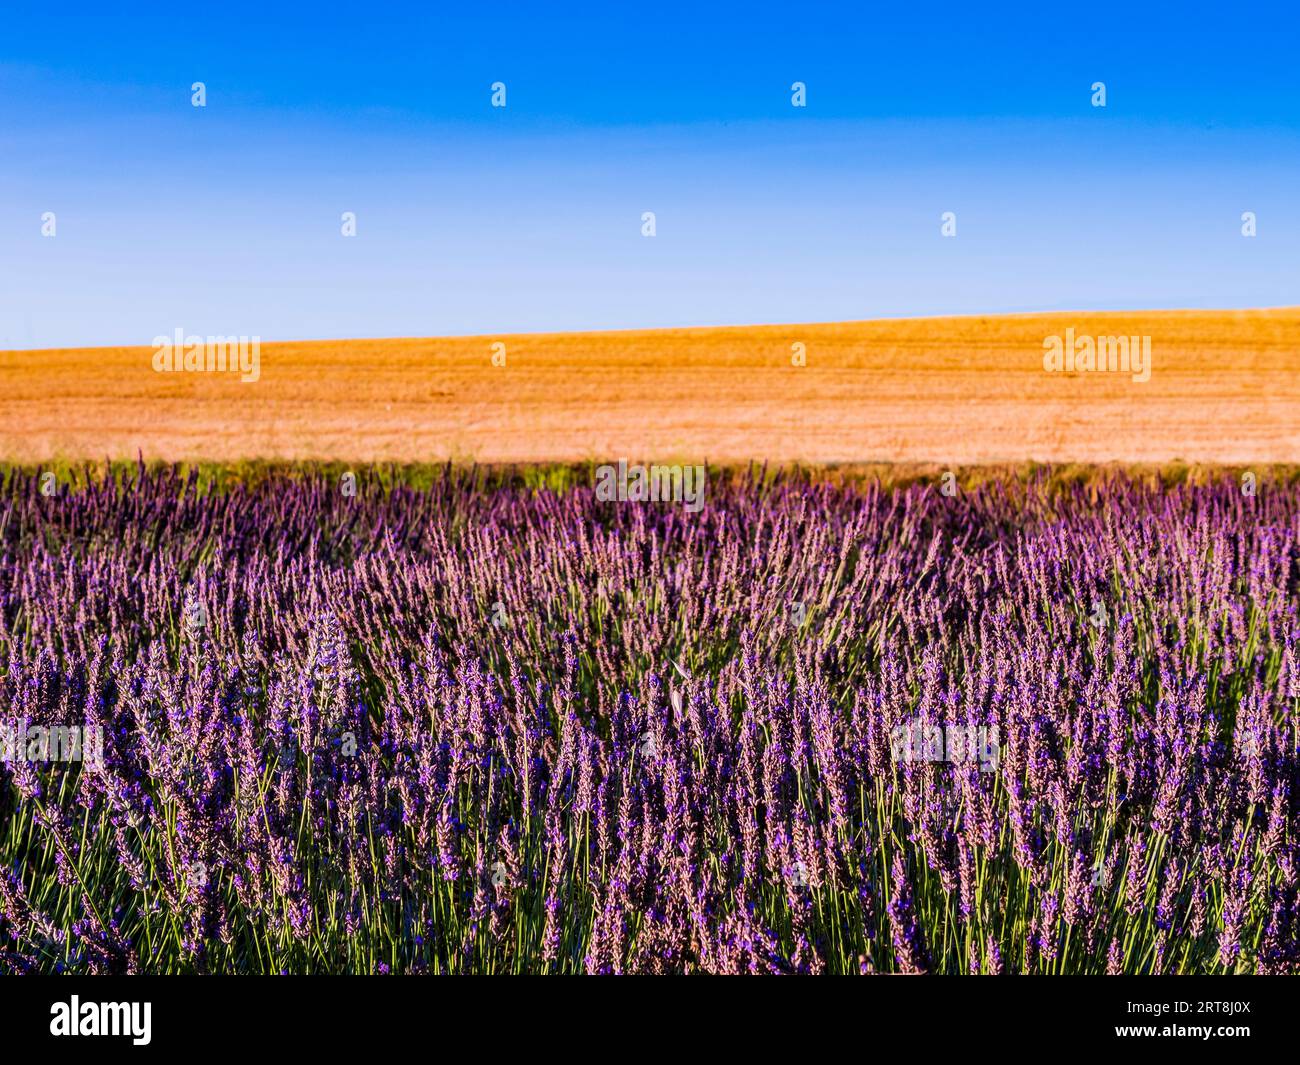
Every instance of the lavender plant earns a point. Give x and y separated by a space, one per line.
487 729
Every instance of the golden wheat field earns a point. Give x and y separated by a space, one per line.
1224 388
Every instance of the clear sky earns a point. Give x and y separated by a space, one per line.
472 219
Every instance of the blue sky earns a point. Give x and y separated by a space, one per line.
473 219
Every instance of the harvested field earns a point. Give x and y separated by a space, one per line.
1224 388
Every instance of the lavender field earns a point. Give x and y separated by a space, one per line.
1031 727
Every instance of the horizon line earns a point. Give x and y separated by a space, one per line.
697 328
